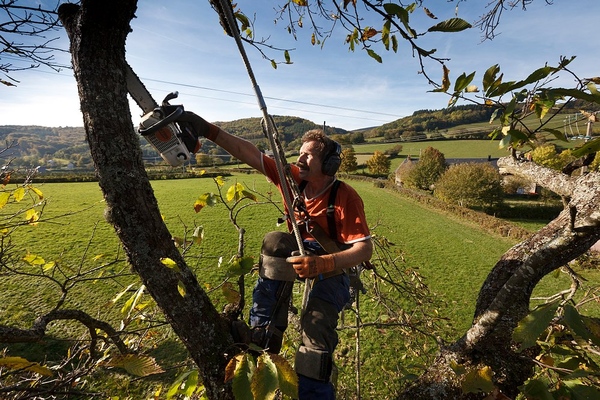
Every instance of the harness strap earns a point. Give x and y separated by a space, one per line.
331 210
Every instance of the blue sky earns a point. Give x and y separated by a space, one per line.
179 45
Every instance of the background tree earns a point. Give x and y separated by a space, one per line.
379 164
471 185
427 170
547 156
349 163
32 22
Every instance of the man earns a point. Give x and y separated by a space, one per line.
315 173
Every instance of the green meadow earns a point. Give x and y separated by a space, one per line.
453 255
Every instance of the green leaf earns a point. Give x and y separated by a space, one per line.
505 142
175 388
385 34
557 134
451 25
401 13
240 369
264 381
532 326
536 389
286 376
241 266
286 55
489 78
206 199
374 55
517 135
578 94
581 391
494 115
243 20
394 44
590 147
249 195
463 81
577 325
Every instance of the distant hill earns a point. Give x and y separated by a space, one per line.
37 145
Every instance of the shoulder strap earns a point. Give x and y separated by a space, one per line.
331 210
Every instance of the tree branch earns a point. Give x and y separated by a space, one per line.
553 180
10 334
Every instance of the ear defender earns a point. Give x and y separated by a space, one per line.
332 160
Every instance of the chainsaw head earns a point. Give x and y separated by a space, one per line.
165 137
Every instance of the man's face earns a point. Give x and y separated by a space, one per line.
309 161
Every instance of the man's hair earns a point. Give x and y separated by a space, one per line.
326 145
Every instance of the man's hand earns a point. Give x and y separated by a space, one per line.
310 266
199 126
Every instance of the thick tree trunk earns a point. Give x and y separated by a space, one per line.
504 297
97 30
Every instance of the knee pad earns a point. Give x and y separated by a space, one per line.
276 247
312 363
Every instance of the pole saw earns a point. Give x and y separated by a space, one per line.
172 139
289 187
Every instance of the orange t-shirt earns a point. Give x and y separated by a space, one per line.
350 220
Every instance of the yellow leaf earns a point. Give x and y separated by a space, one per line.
219 180
478 381
19 363
235 192
181 288
445 78
198 235
32 216
38 192
50 265
33 259
231 295
169 263
4 196
19 193
138 365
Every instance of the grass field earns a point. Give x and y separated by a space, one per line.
453 255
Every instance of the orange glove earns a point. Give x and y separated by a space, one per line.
311 266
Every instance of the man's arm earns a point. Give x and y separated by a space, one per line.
240 148
311 266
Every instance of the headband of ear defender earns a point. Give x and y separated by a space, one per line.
332 160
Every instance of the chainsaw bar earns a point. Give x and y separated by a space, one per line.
138 91
158 125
